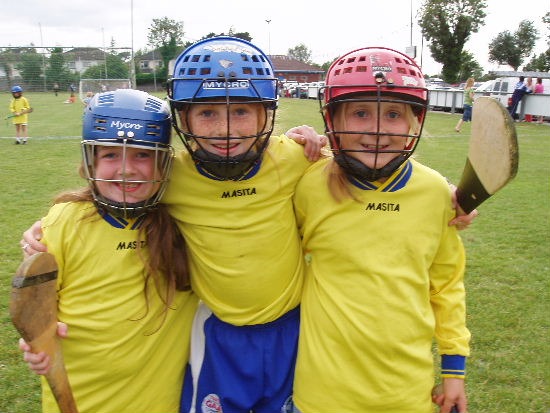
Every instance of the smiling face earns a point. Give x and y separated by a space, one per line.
225 130
373 132
126 174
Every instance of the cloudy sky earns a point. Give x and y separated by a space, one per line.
327 31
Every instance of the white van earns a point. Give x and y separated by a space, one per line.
502 88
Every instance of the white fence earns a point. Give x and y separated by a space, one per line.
453 101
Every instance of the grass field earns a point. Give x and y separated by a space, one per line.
508 249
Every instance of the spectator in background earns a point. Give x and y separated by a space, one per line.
88 98
520 89
468 102
539 88
72 98
529 117
55 88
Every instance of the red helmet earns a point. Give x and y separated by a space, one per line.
365 70
373 74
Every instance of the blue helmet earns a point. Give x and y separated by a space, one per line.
16 89
129 119
220 67
223 70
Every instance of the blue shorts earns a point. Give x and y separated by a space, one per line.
238 369
467 114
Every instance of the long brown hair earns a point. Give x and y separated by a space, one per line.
165 260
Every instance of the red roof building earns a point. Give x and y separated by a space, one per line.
287 68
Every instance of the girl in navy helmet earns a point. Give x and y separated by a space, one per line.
123 287
20 108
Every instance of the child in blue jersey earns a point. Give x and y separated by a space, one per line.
384 270
123 284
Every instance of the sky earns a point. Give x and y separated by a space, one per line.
275 27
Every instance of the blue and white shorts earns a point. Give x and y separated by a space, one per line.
240 368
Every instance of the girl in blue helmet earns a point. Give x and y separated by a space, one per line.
123 287
231 195
20 108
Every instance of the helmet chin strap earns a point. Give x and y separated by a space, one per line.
226 168
361 172
124 210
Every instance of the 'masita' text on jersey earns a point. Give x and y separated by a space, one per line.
239 192
382 206
130 245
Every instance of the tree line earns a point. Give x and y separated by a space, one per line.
446 25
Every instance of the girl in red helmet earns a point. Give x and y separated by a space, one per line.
384 272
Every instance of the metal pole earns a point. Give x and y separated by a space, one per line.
43 58
268 37
132 65
154 71
104 53
411 23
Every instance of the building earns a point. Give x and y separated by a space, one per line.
287 68
150 62
79 59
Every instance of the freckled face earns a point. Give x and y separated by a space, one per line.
124 174
373 145
225 132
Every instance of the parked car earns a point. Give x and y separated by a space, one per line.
314 89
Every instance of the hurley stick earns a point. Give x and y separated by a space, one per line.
29 110
33 310
493 154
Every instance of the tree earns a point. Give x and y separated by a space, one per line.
301 53
469 67
240 35
512 49
7 61
541 63
30 67
56 71
114 66
166 35
447 25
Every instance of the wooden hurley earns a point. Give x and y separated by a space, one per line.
33 310
493 154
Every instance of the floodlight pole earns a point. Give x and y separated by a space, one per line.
132 65
104 52
43 57
268 37
411 23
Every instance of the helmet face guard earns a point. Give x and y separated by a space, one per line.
127 119
223 71
376 76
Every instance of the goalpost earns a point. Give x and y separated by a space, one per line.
89 87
